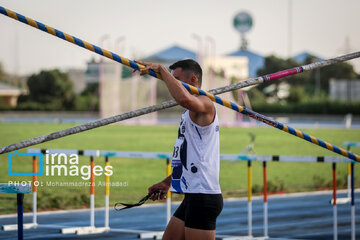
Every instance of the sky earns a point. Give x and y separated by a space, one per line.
326 28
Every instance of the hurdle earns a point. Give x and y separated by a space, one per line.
352 186
264 160
11 227
91 229
166 156
20 190
335 233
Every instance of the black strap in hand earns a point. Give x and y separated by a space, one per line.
141 202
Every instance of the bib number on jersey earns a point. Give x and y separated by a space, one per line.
176 161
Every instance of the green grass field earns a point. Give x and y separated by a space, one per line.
138 174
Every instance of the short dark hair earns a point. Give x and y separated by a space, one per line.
190 66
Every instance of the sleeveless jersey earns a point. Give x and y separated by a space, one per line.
196 158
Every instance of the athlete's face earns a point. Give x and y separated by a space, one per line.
179 74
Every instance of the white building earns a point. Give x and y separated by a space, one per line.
345 89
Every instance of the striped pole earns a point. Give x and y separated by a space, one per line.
168 194
334 202
92 192
74 40
249 200
34 193
193 90
272 122
265 201
107 194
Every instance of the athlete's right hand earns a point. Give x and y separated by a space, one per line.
159 190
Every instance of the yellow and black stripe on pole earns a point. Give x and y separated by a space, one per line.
75 40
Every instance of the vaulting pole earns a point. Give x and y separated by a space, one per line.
191 89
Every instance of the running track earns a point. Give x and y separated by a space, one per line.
297 216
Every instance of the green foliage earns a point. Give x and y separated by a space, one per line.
86 103
91 89
88 99
302 86
2 73
49 200
256 95
297 94
48 90
140 173
274 64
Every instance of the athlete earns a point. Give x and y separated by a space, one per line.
196 157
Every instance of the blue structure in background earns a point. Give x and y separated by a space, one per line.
256 61
300 58
172 54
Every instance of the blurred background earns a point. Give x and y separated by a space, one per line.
47 85
44 79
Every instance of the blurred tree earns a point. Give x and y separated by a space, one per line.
341 70
305 85
52 89
275 64
2 74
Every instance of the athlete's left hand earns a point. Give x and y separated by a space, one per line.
149 65
159 191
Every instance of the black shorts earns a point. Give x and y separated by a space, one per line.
199 210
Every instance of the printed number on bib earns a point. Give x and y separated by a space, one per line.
176 161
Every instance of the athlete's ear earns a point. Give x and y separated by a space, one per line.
194 80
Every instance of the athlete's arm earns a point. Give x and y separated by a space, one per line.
201 108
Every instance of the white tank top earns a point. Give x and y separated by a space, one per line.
196 158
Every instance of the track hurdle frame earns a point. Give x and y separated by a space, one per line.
167 156
264 160
151 155
34 224
351 183
20 190
92 229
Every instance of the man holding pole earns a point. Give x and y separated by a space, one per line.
196 156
